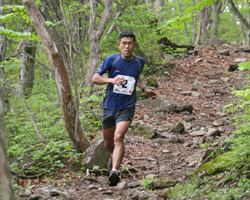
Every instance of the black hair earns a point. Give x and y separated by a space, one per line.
127 34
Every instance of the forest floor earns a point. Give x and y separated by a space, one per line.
147 156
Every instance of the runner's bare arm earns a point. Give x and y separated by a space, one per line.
100 80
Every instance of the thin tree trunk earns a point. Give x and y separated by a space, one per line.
59 40
158 10
185 25
199 34
217 9
3 47
72 65
95 36
203 24
238 15
5 175
27 71
40 136
194 23
159 7
78 140
248 19
112 27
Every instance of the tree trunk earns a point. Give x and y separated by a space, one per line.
158 10
237 14
5 175
40 136
185 26
159 6
203 24
3 46
112 27
248 19
27 71
54 8
78 139
95 36
194 24
217 9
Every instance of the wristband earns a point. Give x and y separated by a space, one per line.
143 89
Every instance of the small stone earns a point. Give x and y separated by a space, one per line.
218 123
54 193
122 185
214 82
151 176
224 52
196 94
240 60
198 133
221 114
135 196
36 197
134 184
186 93
166 151
24 193
92 187
213 132
209 139
187 144
198 140
108 192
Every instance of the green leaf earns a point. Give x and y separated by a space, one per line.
67 146
96 167
200 5
244 66
7 17
50 23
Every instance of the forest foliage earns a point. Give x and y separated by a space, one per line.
175 20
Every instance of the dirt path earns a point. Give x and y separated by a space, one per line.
159 157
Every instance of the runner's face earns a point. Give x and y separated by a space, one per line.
127 46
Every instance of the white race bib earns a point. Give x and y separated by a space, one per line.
127 87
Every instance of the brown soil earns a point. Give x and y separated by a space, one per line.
212 66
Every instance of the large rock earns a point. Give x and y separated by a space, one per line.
165 182
177 128
141 129
166 107
224 52
186 107
198 156
96 155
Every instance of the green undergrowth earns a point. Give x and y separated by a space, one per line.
27 155
225 177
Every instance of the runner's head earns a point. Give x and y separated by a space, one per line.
127 33
127 44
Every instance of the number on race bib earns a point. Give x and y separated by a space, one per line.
127 87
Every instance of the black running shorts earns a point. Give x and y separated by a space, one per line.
112 117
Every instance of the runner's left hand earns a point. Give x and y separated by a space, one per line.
151 93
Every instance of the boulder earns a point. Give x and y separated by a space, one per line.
141 129
96 154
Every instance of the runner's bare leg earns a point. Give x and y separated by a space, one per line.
108 135
119 147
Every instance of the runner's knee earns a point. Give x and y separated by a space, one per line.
118 138
109 144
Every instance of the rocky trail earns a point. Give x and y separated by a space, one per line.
187 114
